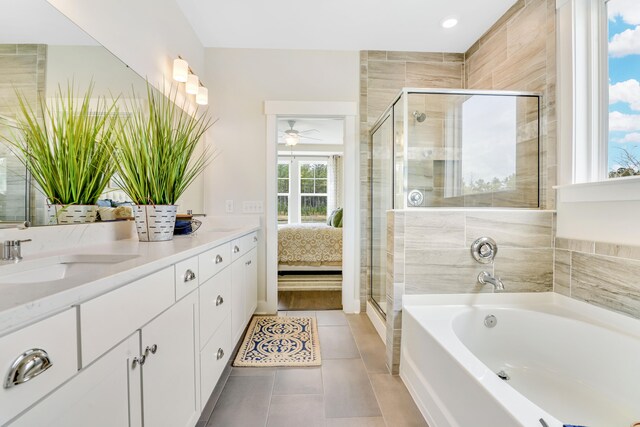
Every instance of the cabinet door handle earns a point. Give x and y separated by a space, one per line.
236 249
27 366
220 354
255 239
219 300
151 349
138 361
189 275
218 259
248 262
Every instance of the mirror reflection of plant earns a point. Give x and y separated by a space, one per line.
157 142
69 152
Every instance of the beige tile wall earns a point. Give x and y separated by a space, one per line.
603 274
382 75
519 53
22 68
429 253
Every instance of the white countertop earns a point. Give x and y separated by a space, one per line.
25 303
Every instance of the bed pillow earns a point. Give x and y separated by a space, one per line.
336 220
331 215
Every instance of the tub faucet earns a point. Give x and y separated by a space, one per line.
486 278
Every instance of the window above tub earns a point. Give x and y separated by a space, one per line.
598 106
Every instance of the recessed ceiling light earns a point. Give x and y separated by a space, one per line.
449 23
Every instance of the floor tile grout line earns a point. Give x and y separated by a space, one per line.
384 419
368 376
273 386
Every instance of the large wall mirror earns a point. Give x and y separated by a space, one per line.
40 51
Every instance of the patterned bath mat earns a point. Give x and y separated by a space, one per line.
280 341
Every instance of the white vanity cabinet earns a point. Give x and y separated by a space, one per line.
35 360
105 394
147 354
244 292
169 371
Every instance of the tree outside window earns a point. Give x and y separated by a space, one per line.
313 191
283 193
624 87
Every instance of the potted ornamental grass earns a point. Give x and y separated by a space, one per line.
157 158
68 150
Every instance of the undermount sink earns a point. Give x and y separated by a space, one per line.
222 229
59 267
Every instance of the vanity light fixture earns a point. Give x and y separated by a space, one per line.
193 83
202 97
449 22
193 86
180 70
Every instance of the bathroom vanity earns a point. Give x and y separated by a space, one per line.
126 333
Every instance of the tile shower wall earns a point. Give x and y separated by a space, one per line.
519 53
22 68
382 75
602 274
428 252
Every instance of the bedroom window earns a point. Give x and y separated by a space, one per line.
283 192
313 191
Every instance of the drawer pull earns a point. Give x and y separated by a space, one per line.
255 239
248 262
218 259
27 366
220 354
138 361
219 300
189 275
236 249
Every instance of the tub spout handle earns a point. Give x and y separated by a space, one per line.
486 278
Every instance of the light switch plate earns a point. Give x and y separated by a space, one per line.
228 206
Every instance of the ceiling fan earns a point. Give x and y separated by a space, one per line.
292 136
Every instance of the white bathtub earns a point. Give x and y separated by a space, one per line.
568 362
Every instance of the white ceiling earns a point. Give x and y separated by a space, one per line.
36 21
409 25
325 131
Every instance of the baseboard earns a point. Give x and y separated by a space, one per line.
378 322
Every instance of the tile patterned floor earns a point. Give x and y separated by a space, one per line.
351 389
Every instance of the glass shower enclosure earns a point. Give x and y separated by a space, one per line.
450 148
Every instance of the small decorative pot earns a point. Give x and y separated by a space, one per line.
155 223
71 214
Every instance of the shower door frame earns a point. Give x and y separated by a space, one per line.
403 96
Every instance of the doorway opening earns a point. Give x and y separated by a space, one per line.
312 206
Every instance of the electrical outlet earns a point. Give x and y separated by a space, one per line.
228 206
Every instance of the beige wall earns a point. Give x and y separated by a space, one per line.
428 252
239 82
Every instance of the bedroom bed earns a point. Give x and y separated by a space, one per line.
309 247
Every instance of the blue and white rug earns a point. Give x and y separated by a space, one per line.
280 341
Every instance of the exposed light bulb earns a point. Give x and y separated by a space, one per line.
193 82
449 23
202 97
180 70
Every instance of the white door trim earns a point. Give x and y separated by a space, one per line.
351 221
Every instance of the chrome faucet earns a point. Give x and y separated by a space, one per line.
486 278
12 250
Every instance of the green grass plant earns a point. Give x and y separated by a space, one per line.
70 151
157 156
